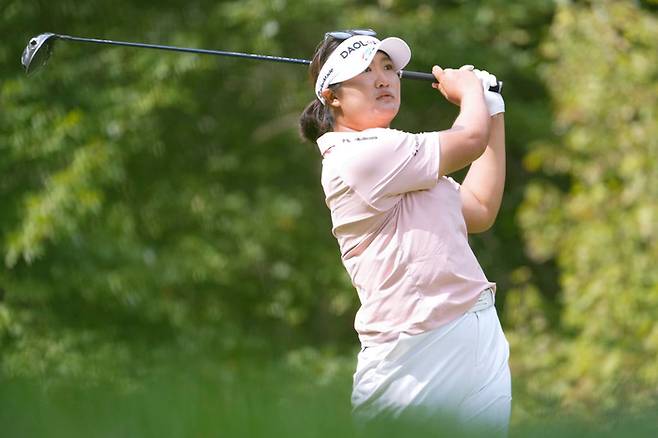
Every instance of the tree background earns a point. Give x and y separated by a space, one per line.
159 209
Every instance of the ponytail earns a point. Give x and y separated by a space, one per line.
317 119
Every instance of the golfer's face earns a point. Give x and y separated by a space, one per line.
372 98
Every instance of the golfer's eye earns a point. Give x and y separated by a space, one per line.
388 66
368 69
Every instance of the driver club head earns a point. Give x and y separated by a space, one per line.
37 52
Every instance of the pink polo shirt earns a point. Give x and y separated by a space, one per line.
401 231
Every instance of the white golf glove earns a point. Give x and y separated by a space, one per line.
495 102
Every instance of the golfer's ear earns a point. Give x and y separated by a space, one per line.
331 98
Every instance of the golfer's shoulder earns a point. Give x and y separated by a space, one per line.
365 151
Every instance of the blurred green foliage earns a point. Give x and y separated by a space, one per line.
595 212
160 207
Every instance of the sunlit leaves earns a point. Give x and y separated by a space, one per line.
601 227
69 196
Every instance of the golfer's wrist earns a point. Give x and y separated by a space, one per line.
471 96
473 100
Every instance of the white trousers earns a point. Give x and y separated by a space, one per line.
459 370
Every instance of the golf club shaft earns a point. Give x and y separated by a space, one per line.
403 74
185 49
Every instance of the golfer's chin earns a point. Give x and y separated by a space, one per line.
385 113
379 115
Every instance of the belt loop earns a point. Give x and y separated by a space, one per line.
484 301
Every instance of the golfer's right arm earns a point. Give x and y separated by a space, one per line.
467 139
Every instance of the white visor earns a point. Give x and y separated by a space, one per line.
354 55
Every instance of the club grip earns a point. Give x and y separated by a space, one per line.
498 88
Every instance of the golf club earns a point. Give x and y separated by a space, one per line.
40 48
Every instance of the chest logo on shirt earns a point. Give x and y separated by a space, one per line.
347 140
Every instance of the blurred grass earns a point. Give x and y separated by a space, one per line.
254 399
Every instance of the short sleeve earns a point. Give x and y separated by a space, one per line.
380 165
454 183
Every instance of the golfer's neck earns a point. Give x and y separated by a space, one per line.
343 125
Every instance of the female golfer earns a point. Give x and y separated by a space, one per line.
430 336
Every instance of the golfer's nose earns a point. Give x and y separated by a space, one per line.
381 81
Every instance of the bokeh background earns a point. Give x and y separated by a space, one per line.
162 225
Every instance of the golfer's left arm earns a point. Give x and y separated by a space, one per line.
482 189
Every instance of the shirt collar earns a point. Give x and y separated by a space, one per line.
326 141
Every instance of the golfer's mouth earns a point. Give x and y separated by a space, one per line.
385 96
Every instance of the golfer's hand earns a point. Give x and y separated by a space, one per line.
455 84
494 101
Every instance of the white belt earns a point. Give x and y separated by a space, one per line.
485 300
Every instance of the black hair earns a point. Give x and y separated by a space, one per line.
316 119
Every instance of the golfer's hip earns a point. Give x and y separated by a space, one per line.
438 369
